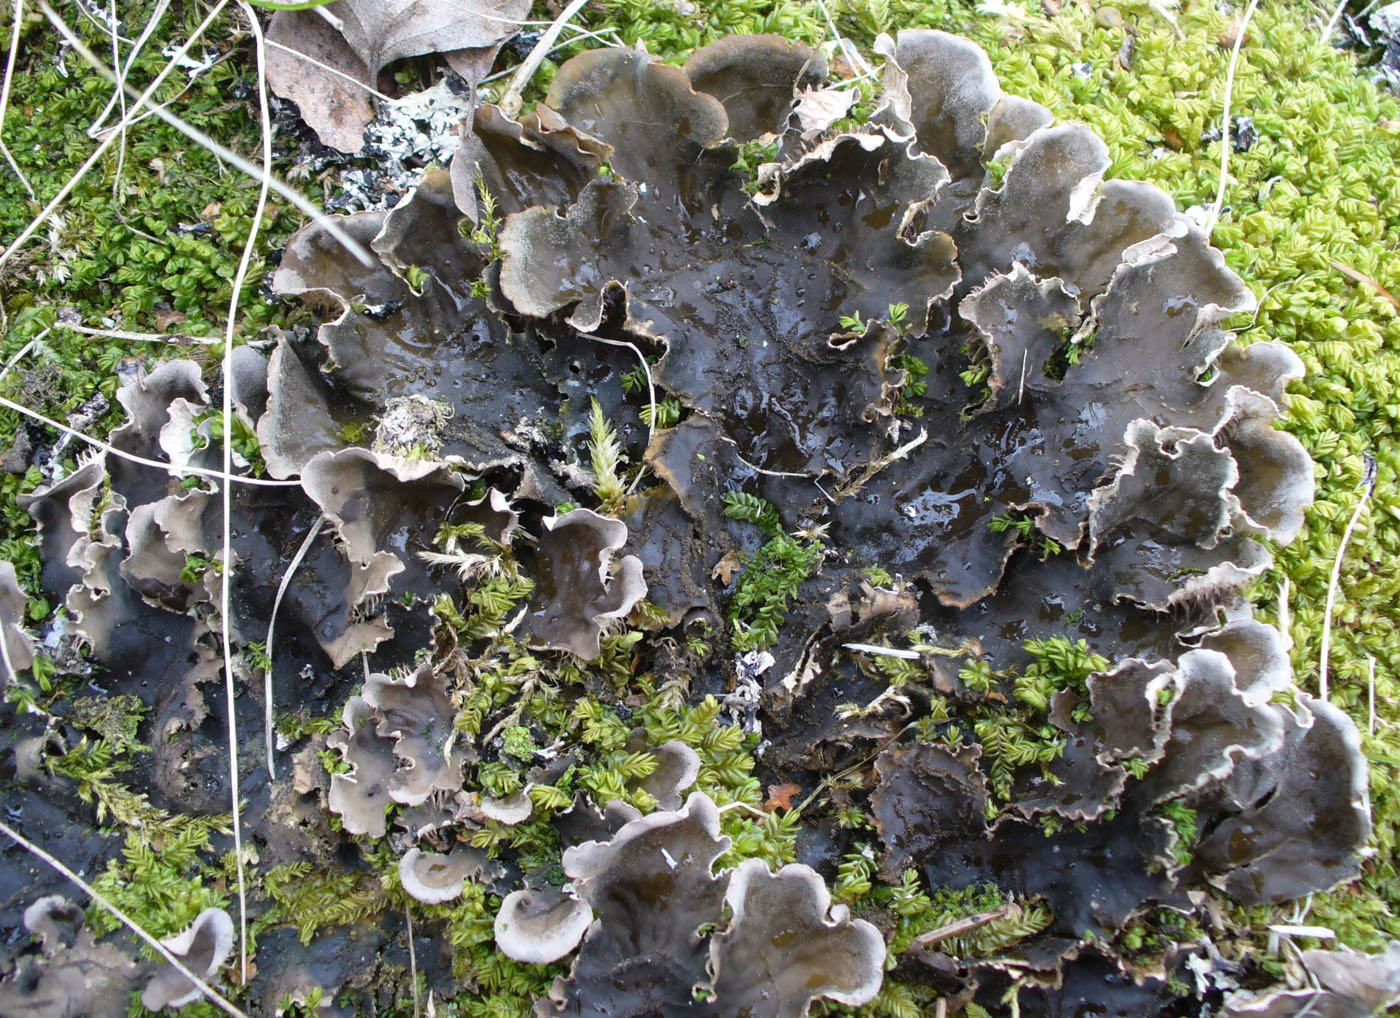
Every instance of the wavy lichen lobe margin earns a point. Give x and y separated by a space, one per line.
945 342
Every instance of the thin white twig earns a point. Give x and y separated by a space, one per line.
1312 932
878 651
226 574
412 959
22 351
325 14
1225 126
10 674
848 48
18 15
781 473
199 138
1312 978
967 924
651 396
120 93
607 36
473 10
107 142
87 12
856 483
126 920
1335 579
292 567
166 103
139 337
170 468
1336 17
157 13
510 102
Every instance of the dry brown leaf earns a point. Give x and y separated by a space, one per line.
819 108
337 106
726 567
166 317
1227 38
331 68
472 64
842 68
780 796
382 31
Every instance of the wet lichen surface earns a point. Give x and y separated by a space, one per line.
725 566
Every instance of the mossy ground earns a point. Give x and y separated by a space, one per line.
1312 224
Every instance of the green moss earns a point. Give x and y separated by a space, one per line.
771 576
162 882
310 897
1184 828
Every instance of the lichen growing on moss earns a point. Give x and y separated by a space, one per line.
1315 192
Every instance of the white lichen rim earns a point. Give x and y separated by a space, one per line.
540 937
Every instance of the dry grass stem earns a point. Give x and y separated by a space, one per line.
212 994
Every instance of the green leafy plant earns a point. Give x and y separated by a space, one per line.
196 566
1023 523
488 221
606 458
770 578
752 509
663 414
310 897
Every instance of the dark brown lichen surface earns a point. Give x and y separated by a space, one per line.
996 387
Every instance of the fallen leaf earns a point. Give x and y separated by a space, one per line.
819 108
726 567
382 31
472 64
335 97
327 62
843 68
780 797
